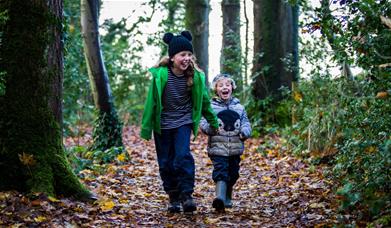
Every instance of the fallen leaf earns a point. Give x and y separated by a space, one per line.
317 205
382 95
107 205
27 159
121 157
40 219
52 199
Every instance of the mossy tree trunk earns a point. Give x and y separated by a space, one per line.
197 21
108 129
231 53
31 150
275 47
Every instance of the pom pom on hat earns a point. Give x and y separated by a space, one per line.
168 37
178 43
187 34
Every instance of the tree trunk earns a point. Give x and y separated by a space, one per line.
32 155
107 132
275 47
197 21
231 53
245 59
56 60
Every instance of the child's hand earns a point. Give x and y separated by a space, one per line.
242 137
214 131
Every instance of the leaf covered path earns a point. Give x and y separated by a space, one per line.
274 190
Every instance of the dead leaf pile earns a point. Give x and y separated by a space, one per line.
274 190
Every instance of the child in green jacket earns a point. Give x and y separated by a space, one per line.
176 101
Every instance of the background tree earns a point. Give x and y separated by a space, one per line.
174 22
78 103
246 42
197 21
31 148
231 53
275 47
108 130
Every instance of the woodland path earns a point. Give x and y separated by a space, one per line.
274 190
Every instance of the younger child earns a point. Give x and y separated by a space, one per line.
225 148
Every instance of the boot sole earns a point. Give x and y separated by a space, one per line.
228 204
174 210
218 204
189 209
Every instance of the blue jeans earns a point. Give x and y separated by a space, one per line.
176 163
225 168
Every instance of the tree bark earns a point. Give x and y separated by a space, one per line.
108 130
275 47
245 62
56 60
31 151
231 53
197 22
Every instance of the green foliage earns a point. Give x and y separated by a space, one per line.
78 163
315 116
2 83
122 52
267 115
81 158
78 102
128 79
3 19
346 121
174 22
232 60
107 131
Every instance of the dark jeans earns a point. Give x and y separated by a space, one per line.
225 168
176 163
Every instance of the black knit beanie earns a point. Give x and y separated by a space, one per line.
178 43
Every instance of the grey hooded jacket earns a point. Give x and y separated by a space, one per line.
233 121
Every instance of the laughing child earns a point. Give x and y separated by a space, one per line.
225 148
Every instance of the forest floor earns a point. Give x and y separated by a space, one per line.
274 190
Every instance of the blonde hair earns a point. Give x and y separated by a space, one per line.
222 76
189 72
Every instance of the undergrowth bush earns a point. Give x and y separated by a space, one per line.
345 121
82 158
347 124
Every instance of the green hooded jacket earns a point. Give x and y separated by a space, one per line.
153 105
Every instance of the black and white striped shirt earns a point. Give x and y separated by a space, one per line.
177 105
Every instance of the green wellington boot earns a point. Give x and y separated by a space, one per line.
221 191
